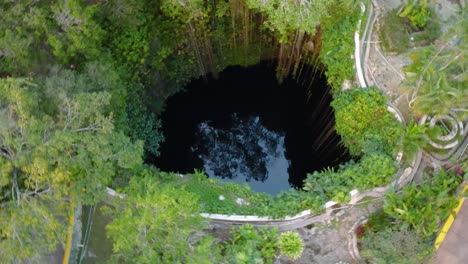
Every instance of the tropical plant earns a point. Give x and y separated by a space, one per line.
249 245
414 140
143 124
425 206
291 245
371 171
286 203
417 12
75 32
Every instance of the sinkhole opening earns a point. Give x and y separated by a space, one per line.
243 126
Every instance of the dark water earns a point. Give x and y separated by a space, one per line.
245 127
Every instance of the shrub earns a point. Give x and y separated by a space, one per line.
338 45
286 203
249 245
417 13
413 140
291 245
371 171
394 246
364 123
144 125
426 206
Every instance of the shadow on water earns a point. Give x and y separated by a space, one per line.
245 127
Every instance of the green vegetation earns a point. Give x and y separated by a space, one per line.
82 84
160 223
436 80
370 172
364 123
393 245
338 45
404 232
425 206
64 147
209 190
399 35
417 12
291 245
413 140
153 224
251 246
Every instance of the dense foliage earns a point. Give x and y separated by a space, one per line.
85 115
394 245
338 45
414 139
153 224
398 34
425 206
416 12
404 232
286 203
167 231
370 172
66 146
251 246
364 123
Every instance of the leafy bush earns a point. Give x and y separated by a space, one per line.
426 206
291 245
143 124
417 12
371 171
364 123
286 203
249 245
153 223
394 246
413 139
338 45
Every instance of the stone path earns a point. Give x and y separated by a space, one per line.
454 248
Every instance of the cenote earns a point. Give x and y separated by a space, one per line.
243 126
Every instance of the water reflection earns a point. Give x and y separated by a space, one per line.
245 151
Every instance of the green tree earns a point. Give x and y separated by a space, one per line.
154 224
22 25
143 124
394 245
75 33
46 160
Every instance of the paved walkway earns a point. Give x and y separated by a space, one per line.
454 248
